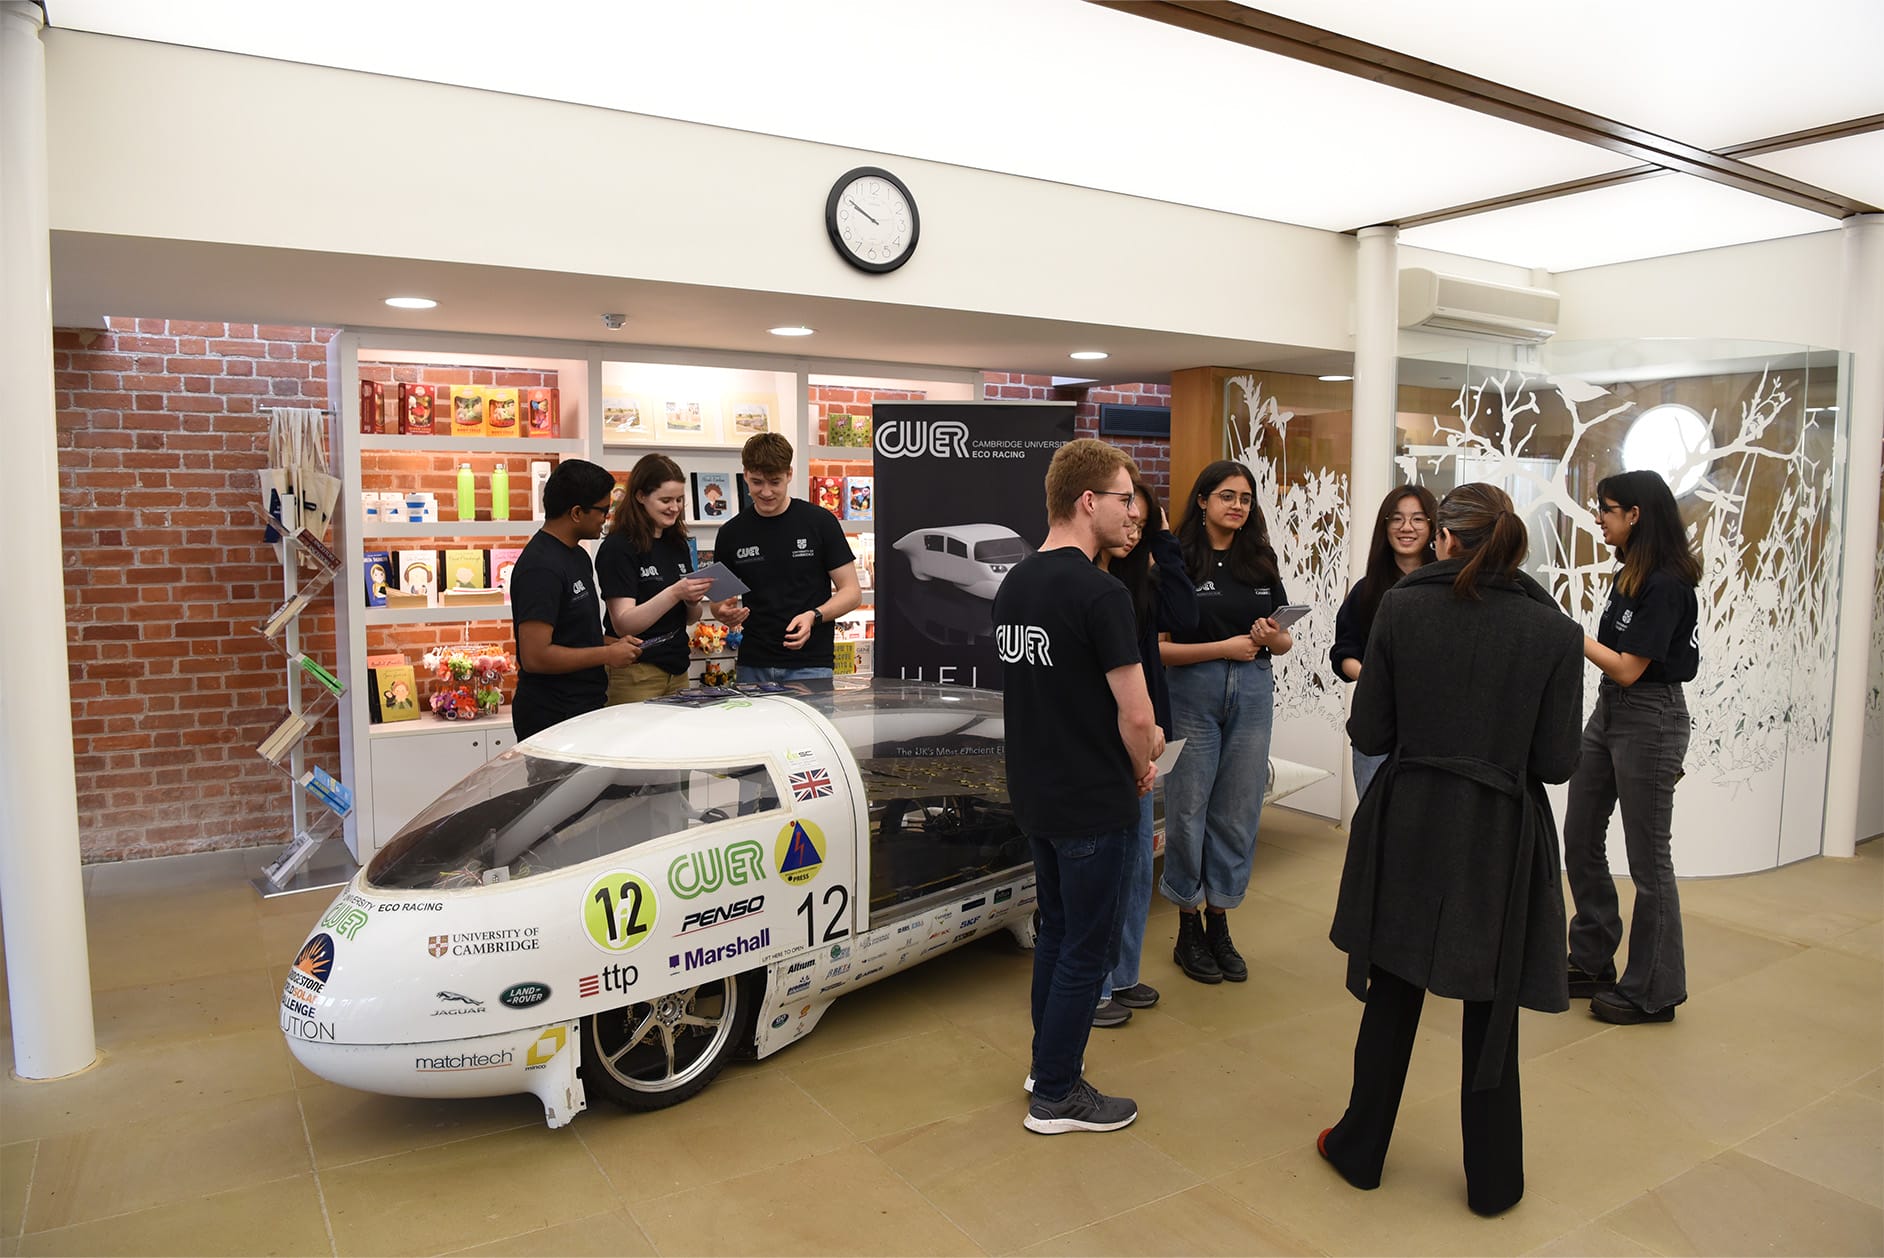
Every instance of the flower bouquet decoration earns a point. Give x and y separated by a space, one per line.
473 682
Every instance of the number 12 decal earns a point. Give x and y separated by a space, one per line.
835 930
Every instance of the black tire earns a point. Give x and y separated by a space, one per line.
653 1054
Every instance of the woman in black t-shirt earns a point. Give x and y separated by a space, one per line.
1646 645
1222 705
642 568
1403 541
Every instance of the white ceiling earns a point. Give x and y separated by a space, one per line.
1854 164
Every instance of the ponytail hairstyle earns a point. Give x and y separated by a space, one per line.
1486 531
1252 558
651 471
1383 570
1659 541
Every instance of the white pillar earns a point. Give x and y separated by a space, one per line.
1376 386
41 892
1863 336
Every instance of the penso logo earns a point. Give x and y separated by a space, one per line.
1023 644
913 438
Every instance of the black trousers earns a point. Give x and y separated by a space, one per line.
1490 1120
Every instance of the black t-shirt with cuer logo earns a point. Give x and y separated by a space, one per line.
1060 626
1661 624
641 575
1226 606
787 559
555 584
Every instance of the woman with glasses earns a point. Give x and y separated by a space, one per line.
1151 567
647 592
1403 541
1474 685
1647 645
1222 705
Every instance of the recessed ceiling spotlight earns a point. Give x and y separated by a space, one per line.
1334 379
798 330
1088 355
411 303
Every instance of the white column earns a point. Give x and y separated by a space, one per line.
1376 387
1863 336
41 892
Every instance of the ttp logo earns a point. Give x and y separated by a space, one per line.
912 438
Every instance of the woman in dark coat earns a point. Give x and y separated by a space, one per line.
1474 689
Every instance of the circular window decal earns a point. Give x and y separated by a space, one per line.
1672 440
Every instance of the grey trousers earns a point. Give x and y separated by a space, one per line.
1632 752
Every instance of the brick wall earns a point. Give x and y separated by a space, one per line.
1152 455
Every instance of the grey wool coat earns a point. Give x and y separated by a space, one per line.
1451 879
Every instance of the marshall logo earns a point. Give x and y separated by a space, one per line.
1020 644
912 438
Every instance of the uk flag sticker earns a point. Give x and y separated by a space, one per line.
810 784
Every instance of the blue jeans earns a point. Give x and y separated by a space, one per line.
757 674
1213 798
1365 767
1078 883
1128 940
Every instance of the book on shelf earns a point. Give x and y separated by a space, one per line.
323 786
377 568
713 496
394 694
503 559
465 569
860 498
416 572
282 738
313 668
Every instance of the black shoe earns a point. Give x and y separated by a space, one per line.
1192 953
1229 960
1084 1109
1111 1013
1611 1007
1584 985
1137 996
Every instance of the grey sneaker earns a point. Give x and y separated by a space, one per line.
1084 1109
1111 1013
1137 996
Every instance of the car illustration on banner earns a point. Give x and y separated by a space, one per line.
974 557
628 900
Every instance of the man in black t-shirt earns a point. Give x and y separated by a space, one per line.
798 565
1080 741
555 612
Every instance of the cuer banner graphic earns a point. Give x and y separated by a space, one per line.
961 499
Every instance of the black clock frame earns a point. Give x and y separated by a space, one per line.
837 240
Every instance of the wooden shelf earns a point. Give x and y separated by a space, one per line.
456 528
436 615
467 445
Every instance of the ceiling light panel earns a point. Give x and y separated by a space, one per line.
1648 219
1853 165
1706 72
1204 122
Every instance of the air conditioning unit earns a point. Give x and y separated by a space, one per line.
1452 303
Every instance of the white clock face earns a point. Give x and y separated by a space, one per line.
875 221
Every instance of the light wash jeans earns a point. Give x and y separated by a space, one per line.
1128 942
759 675
1365 767
1213 798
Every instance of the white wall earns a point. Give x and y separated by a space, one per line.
294 156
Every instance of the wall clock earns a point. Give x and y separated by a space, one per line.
872 219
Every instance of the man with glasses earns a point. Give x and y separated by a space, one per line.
563 657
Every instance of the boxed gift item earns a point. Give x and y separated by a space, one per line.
540 412
416 403
859 497
837 430
500 412
372 407
828 492
467 410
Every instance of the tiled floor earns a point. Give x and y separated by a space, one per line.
1753 1124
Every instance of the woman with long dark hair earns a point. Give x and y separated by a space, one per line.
1151 567
1646 646
1223 705
1403 541
1473 690
642 569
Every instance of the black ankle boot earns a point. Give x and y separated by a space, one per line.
1192 953
1229 960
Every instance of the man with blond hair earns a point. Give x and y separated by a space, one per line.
1080 742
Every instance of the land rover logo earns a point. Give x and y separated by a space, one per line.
523 995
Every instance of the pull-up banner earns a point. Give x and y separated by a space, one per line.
960 499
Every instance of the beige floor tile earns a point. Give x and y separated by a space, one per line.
169 875
847 1202
1872 1085
1207 1109
345 1126
1735 1204
1839 1143
189 1009
1812 902
1719 952
172 1157
1593 1240
1419 1207
1007 1187
16 1180
1271 995
964 985
927 1077
874 1016
600 1235
1200 1220
433 1200
1150 1034
710 1137
280 1217
1866 942
181 948
1318 1049
140 1083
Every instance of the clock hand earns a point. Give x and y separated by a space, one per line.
860 209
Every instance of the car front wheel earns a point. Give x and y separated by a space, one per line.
657 1053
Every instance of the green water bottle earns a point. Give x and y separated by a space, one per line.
500 492
467 493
